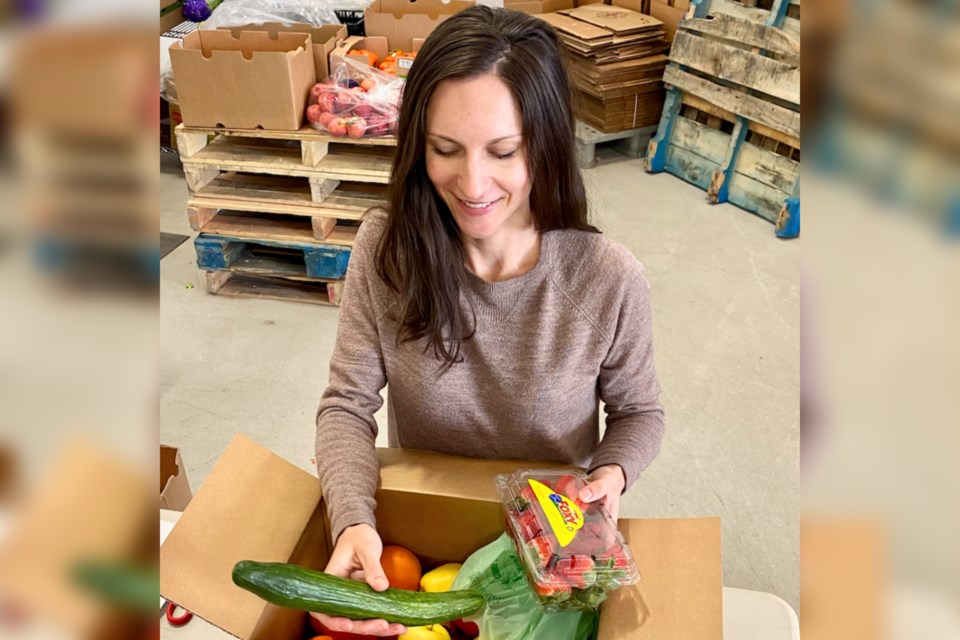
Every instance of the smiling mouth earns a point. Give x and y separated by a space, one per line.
477 205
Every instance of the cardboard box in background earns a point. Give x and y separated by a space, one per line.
90 505
671 15
401 21
171 14
243 80
255 505
377 45
325 39
175 491
534 7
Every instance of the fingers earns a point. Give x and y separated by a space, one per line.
369 556
364 627
597 489
341 562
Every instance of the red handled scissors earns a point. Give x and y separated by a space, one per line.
177 620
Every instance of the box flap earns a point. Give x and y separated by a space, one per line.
438 474
91 505
680 593
254 505
421 7
615 19
577 28
174 486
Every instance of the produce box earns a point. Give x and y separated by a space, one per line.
533 7
380 46
174 486
243 80
402 21
90 504
573 554
257 506
325 39
171 14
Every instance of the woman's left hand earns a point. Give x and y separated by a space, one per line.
605 484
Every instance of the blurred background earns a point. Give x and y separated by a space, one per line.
79 262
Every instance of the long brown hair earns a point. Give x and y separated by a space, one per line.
420 255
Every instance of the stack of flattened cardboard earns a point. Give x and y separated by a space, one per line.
616 61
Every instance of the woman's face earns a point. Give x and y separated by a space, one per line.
476 158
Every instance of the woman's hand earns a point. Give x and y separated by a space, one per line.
605 485
357 556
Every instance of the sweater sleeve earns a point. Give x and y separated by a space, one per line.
628 385
346 428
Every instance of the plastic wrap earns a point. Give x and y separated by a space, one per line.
356 101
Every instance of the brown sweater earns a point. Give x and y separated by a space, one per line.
549 345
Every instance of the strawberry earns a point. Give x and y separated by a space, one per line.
552 592
529 525
569 486
579 571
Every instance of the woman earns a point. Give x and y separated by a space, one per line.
496 312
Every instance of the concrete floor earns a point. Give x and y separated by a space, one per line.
726 315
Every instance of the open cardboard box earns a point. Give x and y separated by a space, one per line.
89 505
174 486
401 21
378 45
325 39
254 505
243 79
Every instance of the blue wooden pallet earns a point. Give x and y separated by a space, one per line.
219 252
731 122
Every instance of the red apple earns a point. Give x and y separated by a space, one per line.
364 111
337 127
325 118
326 101
344 102
356 127
313 113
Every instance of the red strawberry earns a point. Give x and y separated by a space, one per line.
579 571
553 592
569 485
529 525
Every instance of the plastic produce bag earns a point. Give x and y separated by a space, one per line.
513 611
357 101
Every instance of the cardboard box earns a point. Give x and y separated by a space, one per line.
254 505
377 45
171 14
671 16
174 486
325 39
8 474
534 7
243 80
89 505
401 21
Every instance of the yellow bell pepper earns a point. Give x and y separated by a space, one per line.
432 632
440 579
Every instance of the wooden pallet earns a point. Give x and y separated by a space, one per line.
783 14
322 160
284 196
632 142
299 257
238 283
731 123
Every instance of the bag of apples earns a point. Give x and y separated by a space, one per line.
358 101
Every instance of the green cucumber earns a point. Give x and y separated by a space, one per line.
287 585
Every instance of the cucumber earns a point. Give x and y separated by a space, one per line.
294 587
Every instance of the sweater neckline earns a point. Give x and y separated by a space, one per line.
497 298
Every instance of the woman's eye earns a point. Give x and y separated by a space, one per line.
442 153
506 156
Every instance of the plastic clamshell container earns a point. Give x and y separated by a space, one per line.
572 551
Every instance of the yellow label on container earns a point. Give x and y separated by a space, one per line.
563 514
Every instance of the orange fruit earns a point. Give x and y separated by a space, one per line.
402 568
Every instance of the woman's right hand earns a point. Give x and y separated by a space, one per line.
357 556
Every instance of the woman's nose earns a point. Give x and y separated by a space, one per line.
473 179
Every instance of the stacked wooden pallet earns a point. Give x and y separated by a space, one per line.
731 124
616 62
278 211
